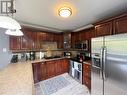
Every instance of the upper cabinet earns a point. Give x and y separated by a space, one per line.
103 29
120 25
14 42
67 40
59 39
81 36
28 40
33 40
74 39
112 26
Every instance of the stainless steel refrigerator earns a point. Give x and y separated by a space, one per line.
109 65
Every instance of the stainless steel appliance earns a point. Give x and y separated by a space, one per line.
14 58
109 65
32 55
82 45
76 70
67 54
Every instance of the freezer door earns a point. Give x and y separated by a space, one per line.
96 45
115 82
96 76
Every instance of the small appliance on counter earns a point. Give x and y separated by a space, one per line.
32 55
14 58
41 55
86 55
83 56
67 54
24 57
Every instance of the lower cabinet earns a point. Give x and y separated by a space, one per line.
48 69
87 75
37 71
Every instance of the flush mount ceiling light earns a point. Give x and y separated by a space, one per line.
14 32
9 23
65 12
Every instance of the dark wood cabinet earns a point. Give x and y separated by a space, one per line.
48 69
28 40
59 39
43 71
74 39
37 74
56 67
14 42
104 29
65 65
33 40
120 25
87 75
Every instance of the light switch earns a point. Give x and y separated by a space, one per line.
4 50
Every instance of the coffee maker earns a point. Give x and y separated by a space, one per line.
32 55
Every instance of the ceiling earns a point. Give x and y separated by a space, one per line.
43 13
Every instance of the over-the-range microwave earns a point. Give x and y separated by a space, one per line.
82 45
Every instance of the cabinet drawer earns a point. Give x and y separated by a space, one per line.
87 82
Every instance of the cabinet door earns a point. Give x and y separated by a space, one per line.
25 40
103 29
60 41
87 75
15 42
58 67
87 70
87 82
36 72
120 25
50 69
43 71
74 39
65 65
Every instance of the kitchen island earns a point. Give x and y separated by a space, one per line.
17 79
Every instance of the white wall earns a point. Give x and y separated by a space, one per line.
5 54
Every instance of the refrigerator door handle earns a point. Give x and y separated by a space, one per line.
101 62
104 63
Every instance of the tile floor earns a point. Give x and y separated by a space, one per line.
61 85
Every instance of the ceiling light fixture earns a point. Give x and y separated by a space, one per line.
12 25
9 23
14 32
65 12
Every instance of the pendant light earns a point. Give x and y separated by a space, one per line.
14 32
12 26
9 23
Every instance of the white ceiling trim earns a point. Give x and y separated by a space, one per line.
40 27
83 28
53 29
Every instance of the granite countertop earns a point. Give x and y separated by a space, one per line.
42 60
17 79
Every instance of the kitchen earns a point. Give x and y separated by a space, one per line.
56 48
